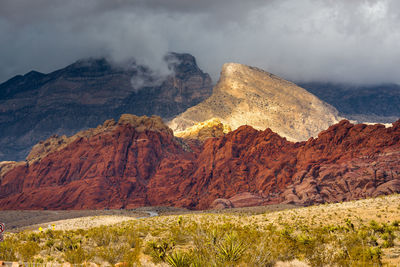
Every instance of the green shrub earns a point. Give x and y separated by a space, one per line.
7 250
261 255
102 236
159 250
131 256
114 252
28 250
49 243
388 238
76 256
34 237
68 242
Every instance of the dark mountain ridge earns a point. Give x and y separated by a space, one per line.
375 103
35 106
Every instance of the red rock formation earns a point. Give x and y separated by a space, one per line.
138 162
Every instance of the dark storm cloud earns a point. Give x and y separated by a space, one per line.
350 41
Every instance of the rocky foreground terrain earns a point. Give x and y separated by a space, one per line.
249 96
86 93
137 161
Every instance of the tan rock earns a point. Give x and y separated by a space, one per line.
221 203
206 129
249 96
153 123
122 264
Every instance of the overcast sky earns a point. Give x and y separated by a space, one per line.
302 40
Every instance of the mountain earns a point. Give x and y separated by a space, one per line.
368 103
247 95
82 95
137 161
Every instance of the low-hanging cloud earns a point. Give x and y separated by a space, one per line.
302 40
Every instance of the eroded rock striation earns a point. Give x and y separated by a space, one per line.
249 96
137 161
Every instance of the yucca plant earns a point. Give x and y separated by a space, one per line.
178 259
230 249
159 250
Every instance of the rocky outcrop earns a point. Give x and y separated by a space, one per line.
221 203
245 199
36 106
249 96
110 169
206 129
138 162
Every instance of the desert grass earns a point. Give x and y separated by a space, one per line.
356 233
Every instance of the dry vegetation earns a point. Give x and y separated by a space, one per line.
358 233
17 220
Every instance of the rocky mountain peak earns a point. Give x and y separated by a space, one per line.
248 95
139 123
35 106
89 67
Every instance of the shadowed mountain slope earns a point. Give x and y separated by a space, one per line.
86 93
364 103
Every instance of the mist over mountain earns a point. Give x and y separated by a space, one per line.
303 40
35 106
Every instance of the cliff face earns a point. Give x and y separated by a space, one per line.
138 162
345 162
249 96
35 106
97 170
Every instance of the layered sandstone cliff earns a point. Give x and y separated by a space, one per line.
137 161
249 96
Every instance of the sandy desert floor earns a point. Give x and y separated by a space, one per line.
18 220
385 209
